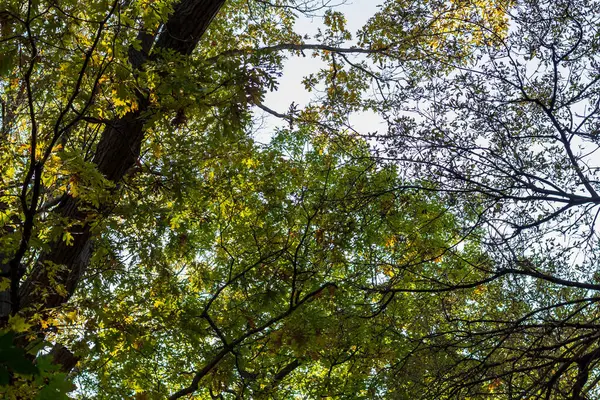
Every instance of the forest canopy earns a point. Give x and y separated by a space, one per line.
151 247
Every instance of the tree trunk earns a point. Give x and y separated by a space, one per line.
117 151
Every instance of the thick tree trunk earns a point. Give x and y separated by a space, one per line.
117 151
188 23
5 303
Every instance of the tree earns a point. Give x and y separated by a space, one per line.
160 252
509 138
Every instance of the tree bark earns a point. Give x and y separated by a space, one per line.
117 151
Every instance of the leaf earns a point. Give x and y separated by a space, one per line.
67 237
13 358
18 324
21 364
57 388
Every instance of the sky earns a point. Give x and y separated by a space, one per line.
290 88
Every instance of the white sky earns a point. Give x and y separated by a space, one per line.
290 89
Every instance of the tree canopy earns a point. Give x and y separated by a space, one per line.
151 248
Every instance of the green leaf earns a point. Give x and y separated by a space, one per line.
56 389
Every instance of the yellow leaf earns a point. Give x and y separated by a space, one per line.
61 290
67 238
390 242
71 316
18 324
4 284
387 269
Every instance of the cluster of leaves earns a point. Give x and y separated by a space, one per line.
510 134
144 230
261 259
209 251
